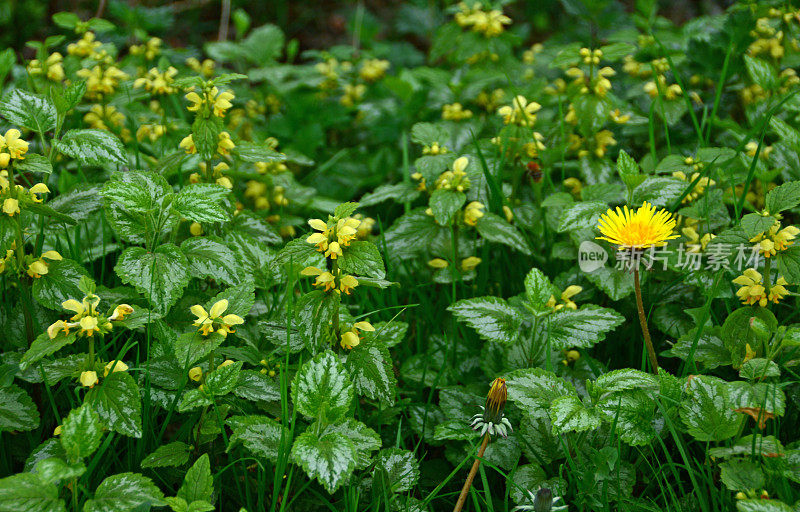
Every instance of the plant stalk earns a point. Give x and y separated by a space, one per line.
468 483
651 353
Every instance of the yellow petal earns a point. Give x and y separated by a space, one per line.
218 308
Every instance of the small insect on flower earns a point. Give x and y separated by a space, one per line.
638 229
492 418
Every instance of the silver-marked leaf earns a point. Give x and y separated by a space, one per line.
491 317
322 388
93 147
329 458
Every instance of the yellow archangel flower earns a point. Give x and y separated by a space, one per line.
566 296
114 366
351 338
520 112
638 229
213 320
14 145
89 379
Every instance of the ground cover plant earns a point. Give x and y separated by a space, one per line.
441 268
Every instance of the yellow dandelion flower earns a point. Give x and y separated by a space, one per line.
641 229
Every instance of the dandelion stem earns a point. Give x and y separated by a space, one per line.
468 483
651 353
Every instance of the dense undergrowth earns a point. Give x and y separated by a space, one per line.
248 277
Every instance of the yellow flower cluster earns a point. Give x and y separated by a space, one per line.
455 112
86 319
214 320
373 70
39 267
473 212
694 242
101 80
700 186
331 238
224 144
215 101
261 195
489 23
520 112
599 83
205 68
102 117
12 146
151 49
599 146
434 149
85 46
455 179
490 101
350 338
53 67
670 92
158 82
352 94
775 239
752 289
566 298
151 132
590 57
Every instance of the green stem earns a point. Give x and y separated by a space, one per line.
651 353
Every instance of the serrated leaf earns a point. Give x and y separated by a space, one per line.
623 380
55 470
568 414
224 379
33 162
783 197
707 409
251 152
44 346
192 346
199 202
240 299
491 317
364 439
81 433
614 282
116 400
631 413
93 147
398 469
198 484
59 284
537 288
445 203
205 135
168 455
213 259
322 388
160 275
329 458
17 410
259 434
345 210
761 72
535 388
583 215
741 475
124 492
581 328
362 258
495 229
27 491
257 387
28 110
370 367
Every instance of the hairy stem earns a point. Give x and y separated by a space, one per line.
651 353
468 483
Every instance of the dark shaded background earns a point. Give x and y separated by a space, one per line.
314 23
